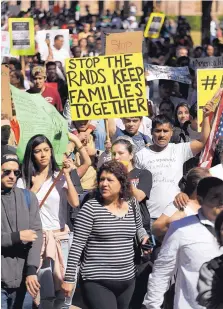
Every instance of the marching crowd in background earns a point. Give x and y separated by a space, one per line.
133 221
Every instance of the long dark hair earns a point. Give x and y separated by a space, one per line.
177 123
129 147
29 166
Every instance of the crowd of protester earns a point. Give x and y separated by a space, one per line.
132 220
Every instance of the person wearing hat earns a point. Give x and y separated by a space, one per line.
21 238
51 95
130 23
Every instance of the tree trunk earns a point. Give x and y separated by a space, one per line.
126 9
101 7
205 22
147 8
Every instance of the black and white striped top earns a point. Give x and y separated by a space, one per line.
108 243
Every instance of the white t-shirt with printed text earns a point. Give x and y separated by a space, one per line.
53 213
166 167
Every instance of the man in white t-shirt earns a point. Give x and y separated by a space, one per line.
165 161
57 52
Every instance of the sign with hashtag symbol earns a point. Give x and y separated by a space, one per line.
208 83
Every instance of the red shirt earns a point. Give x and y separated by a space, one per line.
52 96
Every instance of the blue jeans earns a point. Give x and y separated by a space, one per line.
51 299
100 135
16 298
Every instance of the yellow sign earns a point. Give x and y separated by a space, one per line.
21 31
154 25
106 87
208 83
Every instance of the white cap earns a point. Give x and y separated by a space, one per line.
132 18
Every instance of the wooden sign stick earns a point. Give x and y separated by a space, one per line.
107 130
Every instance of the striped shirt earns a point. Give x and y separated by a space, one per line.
107 241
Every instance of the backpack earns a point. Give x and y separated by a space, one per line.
27 197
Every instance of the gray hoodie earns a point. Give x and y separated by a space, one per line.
19 259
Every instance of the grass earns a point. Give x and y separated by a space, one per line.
196 37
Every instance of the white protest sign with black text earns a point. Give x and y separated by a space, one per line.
42 35
179 74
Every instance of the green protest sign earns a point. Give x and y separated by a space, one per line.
36 116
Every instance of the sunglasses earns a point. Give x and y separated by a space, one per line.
8 172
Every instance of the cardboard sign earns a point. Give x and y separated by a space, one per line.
207 62
21 31
6 94
123 43
106 87
36 116
179 74
208 83
154 25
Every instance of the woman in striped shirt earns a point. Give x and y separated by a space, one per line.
105 229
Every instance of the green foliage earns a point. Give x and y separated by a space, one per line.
194 21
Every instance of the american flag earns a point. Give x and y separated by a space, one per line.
216 133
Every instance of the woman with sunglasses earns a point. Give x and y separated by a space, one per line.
39 171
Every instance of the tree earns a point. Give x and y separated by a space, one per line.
126 9
101 7
147 8
205 21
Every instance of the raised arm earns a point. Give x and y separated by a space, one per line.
111 127
197 146
85 159
50 56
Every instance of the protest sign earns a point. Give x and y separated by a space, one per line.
123 43
6 104
106 86
179 74
208 83
154 25
36 116
5 47
42 35
21 31
207 62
